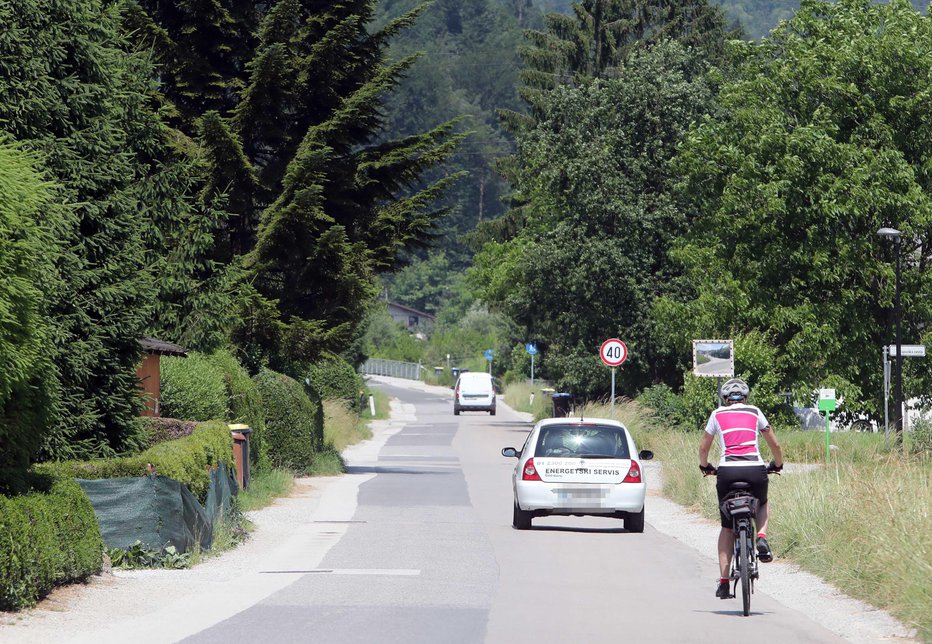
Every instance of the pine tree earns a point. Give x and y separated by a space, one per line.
69 92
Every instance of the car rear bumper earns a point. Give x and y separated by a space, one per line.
567 498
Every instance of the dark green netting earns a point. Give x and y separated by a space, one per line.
158 511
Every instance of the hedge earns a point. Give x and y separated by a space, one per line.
184 460
193 388
293 428
48 538
244 403
335 379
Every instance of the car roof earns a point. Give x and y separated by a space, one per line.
572 420
475 375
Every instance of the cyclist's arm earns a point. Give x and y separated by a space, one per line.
775 450
705 443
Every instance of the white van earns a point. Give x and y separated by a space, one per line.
474 391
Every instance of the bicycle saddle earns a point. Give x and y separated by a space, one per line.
739 485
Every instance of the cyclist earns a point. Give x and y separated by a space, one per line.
738 426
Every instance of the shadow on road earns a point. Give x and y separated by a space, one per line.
560 528
363 469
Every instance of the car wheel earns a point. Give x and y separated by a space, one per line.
492 411
861 426
634 521
521 519
456 410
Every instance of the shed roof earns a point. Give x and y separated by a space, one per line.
165 348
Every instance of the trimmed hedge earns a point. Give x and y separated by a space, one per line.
184 460
335 379
49 538
293 429
193 388
244 403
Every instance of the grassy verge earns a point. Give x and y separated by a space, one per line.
521 396
861 523
264 487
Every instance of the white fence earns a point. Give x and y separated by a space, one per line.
393 368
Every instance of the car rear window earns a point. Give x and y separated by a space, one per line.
574 441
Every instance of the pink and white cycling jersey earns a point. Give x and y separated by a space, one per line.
738 427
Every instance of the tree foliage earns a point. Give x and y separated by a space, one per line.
822 139
28 392
71 94
599 216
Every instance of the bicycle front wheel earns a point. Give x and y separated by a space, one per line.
744 570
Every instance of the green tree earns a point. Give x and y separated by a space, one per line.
822 139
591 256
28 249
69 92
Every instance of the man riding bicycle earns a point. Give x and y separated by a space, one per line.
738 426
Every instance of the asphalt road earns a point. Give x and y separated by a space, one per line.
429 555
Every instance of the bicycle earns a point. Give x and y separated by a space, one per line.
741 507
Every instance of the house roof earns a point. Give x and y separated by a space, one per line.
165 348
408 309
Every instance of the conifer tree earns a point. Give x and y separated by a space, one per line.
70 93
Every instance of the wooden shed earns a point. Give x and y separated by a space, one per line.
149 372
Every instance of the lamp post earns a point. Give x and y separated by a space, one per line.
897 237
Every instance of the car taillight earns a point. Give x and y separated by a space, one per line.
634 474
530 472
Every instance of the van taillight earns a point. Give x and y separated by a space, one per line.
530 472
634 474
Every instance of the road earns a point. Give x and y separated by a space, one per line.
714 366
429 555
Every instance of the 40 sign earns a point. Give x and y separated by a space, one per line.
613 352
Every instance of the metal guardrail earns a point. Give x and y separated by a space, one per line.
393 368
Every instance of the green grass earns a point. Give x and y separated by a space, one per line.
264 487
862 523
518 396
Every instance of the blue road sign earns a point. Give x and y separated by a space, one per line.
531 348
489 354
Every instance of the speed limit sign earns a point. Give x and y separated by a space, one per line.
613 352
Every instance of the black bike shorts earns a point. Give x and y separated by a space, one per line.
756 475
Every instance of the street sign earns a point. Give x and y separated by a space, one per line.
531 348
909 350
714 358
827 400
489 354
613 352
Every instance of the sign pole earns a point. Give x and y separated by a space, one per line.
828 445
828 404
613 393
532 369
886 397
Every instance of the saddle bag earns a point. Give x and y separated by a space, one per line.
738 506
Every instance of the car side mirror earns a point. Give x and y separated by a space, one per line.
645 455
510 452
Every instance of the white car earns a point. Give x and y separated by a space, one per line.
474 391
571 466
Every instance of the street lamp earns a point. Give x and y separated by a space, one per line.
897 237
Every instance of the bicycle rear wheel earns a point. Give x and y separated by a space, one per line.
744 570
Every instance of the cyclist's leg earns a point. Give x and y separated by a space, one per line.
762 515
726 546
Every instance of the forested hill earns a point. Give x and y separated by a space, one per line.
757 17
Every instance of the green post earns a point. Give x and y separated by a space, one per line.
828 445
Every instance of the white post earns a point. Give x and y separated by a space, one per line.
532 369
372 405
886 397
613 393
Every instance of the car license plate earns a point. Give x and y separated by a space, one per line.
585 495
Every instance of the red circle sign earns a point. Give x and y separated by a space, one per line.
613 352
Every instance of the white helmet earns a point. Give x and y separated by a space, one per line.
735 389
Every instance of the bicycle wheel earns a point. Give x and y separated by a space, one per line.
744 570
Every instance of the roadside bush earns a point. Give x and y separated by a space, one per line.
50 538
293 429
193 388
185 460
335 379
664 405
244 403
159 430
